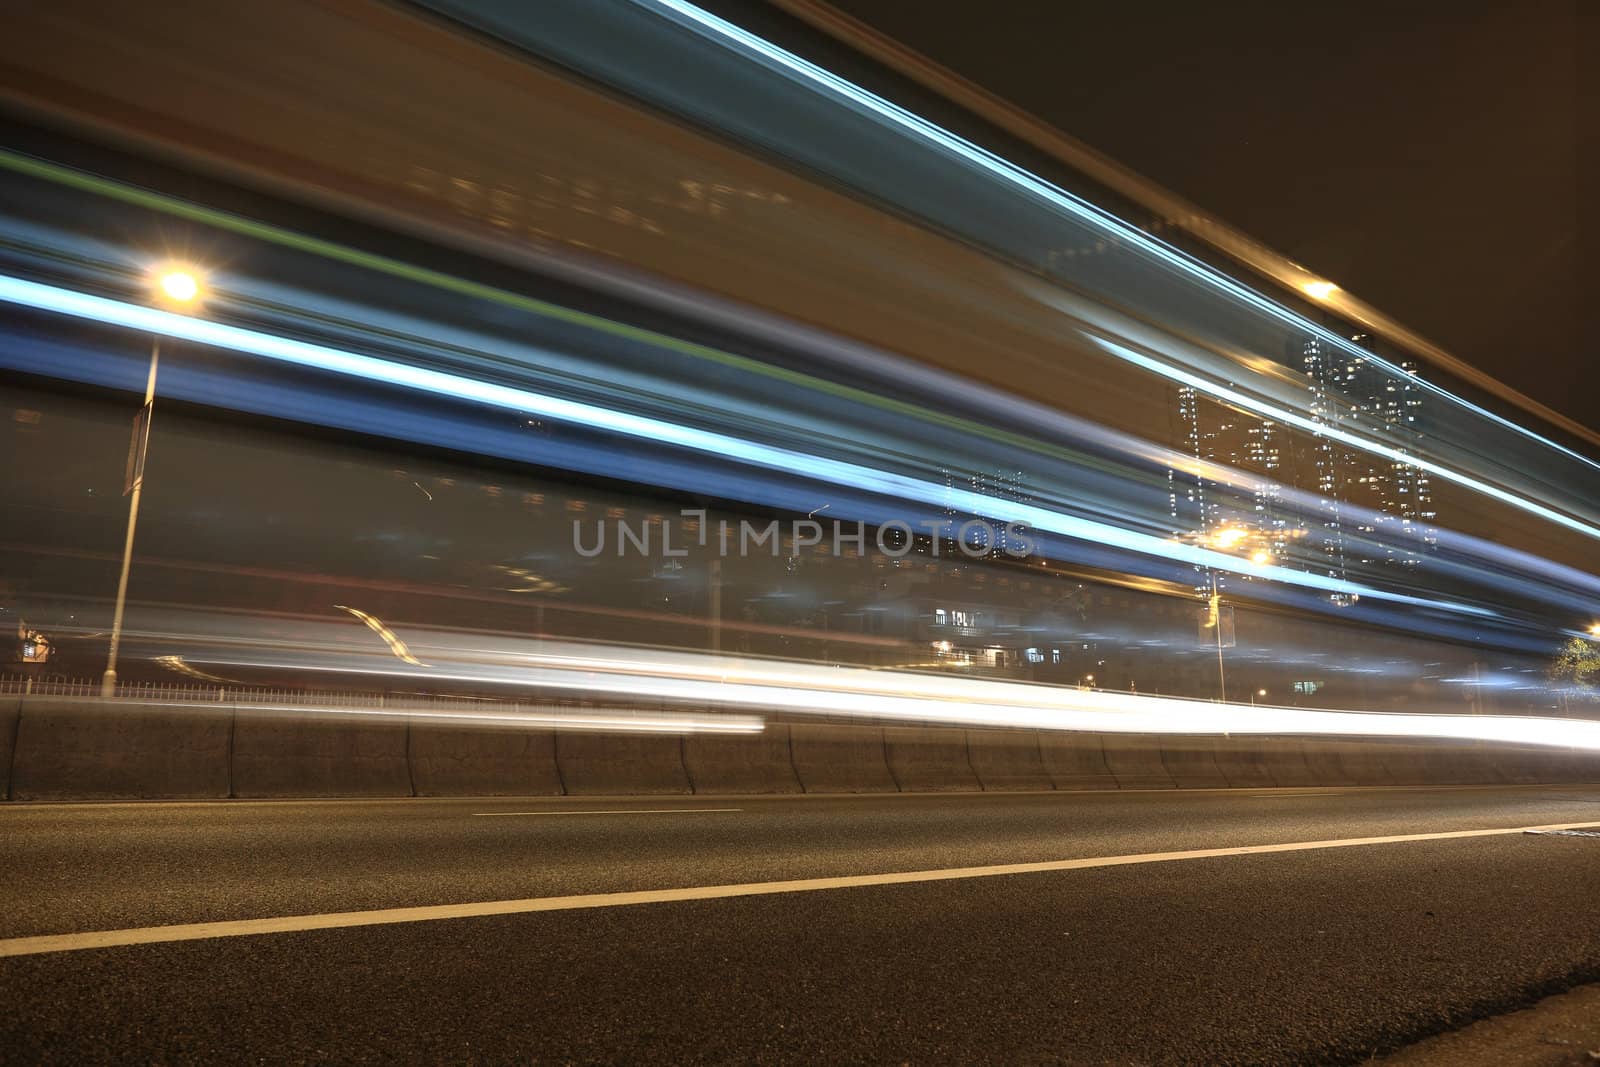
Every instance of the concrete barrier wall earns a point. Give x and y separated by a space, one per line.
1334 762
1076 761
1135 761
1440 764
1585 767
621 764
1284 759
1242 764
480 761
54 748
10 708
742 763
1007 760
69 750
1527 766
841 759
1191 762
1408 764
929 760
285 754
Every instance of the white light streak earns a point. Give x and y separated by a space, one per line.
658 431
711 26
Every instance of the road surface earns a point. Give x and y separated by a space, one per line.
1138 929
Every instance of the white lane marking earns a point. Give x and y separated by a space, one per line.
150 935
611 811
1290 796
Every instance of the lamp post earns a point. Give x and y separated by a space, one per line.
1227 539
175 287
1216 624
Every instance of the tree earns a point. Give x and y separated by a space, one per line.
1577 664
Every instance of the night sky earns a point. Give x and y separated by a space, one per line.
1422 154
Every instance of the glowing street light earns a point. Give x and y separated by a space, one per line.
177 286
1320 290
1594 629
1228 536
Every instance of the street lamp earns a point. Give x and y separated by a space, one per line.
178 287
1227 539
1594 629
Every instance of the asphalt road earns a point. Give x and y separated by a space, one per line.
1321 954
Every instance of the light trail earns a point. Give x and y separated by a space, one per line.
1161 202
1563 594
705 680
737 39
663 722
390 638
301 353
1250 403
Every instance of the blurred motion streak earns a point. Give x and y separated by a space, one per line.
1019 453
397 646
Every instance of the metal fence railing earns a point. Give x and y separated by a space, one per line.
14 685
527 709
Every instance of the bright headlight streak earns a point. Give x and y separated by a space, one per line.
306 354
1083 430
656 723
1377 448
1060 198
1016 705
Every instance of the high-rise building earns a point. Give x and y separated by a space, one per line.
1370 509
1201 507
1373 509
1003 487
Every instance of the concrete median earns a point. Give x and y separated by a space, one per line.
482 761
10 709
1136 761
840 759
621 764
1529 765
1284 759
292 754
86 749
929 760
1075 760
1191 762
742 763
1436 763
1244 762
1343 762
1007 760
59 748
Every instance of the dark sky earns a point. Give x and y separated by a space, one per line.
1421 153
